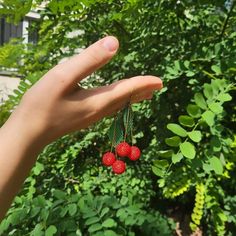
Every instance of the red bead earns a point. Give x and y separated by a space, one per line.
119 167
108 159
135 153
123 149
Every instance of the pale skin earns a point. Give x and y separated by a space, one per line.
56 105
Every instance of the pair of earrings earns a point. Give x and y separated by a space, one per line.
120 131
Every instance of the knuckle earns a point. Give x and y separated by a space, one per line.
58 72
94 57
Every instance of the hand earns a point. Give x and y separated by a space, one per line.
57 105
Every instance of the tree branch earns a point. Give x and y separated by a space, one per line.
227 19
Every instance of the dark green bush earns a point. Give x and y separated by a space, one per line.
187 132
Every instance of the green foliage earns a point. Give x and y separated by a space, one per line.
15 9
10 54
73 214
186 132
198 207
195 157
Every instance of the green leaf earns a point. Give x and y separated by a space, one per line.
94 228
187 64
38 230
195 135
172 71
215 144
208 91
200 101
177 129
173 141
209 116
38 168
59 194
51 230
165 153
104 211
109 233
161 183
177 65
194 110
216 86
176 157
109 223
157 171
72 209
224 97
216 165
186 121
161 163
216 69
89 213
215 107
92 220
207 167
124 200
188 150
222 216
190 73
115 132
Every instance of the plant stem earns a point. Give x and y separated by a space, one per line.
227 19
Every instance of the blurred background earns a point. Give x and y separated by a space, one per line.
185 181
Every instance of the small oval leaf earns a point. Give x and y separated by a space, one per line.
177 129
157 171
195 135
194 110
186 121
177 157
51 230
209 117
109 223
200 101
92 220
188 150
216 69
162 164
215 107
173 141
165 153
94 228
216 165
208 91
224 97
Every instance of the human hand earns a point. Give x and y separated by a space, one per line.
57 105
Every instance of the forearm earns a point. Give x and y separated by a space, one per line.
19 148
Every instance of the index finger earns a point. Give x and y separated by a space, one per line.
85 63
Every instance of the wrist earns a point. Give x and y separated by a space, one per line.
23 132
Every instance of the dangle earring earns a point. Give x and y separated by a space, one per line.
121 134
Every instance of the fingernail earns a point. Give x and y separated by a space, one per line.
110 43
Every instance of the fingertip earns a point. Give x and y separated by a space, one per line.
157 81
110 43
160 83
149 81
